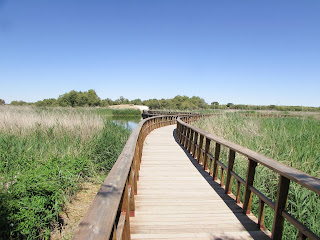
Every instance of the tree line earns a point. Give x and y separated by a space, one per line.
91 99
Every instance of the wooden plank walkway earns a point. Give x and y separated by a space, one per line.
177 199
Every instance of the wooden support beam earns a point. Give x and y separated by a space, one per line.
190 140
282 196
238 192
261 214
195 142
216 158
206 151
200 147
232 155
222 177
249 182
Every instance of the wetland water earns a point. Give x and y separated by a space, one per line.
129 122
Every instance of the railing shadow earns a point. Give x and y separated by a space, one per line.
251 228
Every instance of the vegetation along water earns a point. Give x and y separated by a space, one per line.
292 141
46 154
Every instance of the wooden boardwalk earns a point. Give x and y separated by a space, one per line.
177 199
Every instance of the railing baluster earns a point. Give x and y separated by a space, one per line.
261 214
190 141
206 153
282 196
249 182
195 142
181 133
210 166
136 169
216 158
232 155
200 147
132 191
222 177
125 210
187 137
238 192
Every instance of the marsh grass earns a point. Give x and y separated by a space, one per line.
292 141
45 156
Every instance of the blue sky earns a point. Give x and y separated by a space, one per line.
244 52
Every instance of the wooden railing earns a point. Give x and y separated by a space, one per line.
197 142
152 113
108 217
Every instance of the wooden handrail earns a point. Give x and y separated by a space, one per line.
152 113
108 217
286 174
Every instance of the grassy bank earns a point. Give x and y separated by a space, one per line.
293 141
45 156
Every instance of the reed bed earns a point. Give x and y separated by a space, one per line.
45 156
292 141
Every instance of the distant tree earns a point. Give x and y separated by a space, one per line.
104 103
109 101
51 102
93 99
215 103
229 105
164 103
187 105
153 103
68 99
121 99
2 102
272 107
240 106
199 103
18 103
136 101
79 99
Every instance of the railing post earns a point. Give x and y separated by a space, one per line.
195 141
232 155
199 149
136 168
187 137
125 211
190 141
238 192
261 214
178 131
183 135
132 205
216 158
249 182
206 151
282 196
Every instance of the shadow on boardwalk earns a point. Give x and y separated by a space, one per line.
251 226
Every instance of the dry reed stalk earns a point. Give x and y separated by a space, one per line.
22 120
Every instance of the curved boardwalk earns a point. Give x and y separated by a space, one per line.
177 199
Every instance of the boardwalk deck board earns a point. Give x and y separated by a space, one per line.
177 199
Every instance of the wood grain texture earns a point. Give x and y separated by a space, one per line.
177 199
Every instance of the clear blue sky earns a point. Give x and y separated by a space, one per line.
244 52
